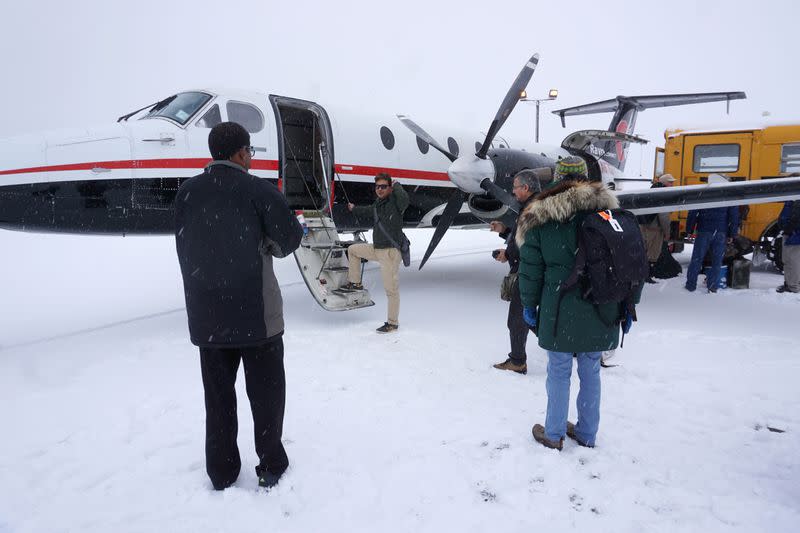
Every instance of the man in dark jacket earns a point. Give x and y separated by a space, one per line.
526 185
715 227
387 234
789 222
547 234
228 226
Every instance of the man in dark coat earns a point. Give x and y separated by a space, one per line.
228 226
715 227
547 234
387 234
526 185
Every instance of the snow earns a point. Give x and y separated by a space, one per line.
103 420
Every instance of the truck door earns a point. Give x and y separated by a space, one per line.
718 153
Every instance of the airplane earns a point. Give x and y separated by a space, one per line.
122 178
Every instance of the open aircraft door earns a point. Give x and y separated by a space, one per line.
726 153
305 174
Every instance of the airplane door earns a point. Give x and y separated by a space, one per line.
305 152
725 153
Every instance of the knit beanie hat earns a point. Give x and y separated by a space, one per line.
570 168
227 138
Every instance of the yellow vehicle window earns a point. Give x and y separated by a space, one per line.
716 158
790 158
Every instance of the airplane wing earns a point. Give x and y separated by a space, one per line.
647 102
668 199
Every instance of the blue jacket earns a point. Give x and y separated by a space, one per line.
716 219
789 221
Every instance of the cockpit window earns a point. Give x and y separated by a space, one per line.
245 114
211 118
180 107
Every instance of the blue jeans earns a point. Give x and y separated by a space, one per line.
715 240
559 372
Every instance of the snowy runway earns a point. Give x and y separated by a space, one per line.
103 429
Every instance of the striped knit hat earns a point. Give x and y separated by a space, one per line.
570 168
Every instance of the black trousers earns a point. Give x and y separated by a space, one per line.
517 327
266 388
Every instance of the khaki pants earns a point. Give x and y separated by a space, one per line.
653 237
389 259
791 265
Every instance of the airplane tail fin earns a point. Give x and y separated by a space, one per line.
626 109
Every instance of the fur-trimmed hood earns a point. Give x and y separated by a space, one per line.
560 203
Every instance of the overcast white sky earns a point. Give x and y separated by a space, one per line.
87 62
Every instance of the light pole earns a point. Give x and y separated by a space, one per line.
552 95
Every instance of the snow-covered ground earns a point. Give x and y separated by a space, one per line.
102 418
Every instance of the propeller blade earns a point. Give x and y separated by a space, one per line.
422 134
501 194
511 99
445 220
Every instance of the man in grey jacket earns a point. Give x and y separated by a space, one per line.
229 225
387 214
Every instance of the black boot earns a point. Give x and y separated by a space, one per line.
650 274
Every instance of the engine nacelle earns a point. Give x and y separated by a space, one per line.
486 208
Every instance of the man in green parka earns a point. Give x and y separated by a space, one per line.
547 236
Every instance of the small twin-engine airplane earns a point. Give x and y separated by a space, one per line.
122 178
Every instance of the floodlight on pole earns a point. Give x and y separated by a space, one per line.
551 95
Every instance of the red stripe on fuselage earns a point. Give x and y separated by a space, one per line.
257 164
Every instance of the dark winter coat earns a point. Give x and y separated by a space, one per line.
789 222
510 236
717 219
548 237
390 213
228 227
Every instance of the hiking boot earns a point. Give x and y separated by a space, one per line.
509 364
782 288
538 436
690 289
350 286
571 434
387 328
267 480
649 279
712 291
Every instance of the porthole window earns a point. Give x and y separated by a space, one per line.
387 138
211 118
453 146
245 114
423 146
478 146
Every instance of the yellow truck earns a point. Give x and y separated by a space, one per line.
767 153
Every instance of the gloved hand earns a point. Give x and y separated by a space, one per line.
627 322
529 315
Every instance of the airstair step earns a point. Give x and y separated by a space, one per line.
336 268
323 246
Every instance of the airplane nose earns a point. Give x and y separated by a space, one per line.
468 171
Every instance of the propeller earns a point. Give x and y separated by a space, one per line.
474 174
508 104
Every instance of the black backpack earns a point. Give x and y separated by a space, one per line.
610 263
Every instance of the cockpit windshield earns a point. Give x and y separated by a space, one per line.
179 107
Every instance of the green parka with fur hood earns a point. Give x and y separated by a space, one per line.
547 238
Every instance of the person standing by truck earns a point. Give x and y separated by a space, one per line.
789 221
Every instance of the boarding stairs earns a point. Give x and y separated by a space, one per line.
322 259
